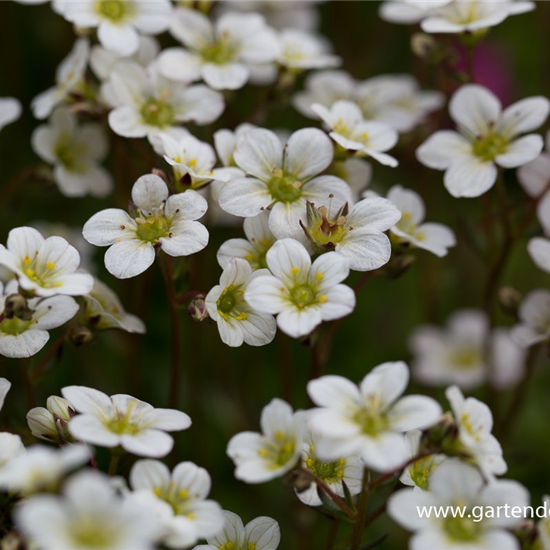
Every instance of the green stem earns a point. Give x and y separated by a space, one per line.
331 539
358 528
174 379
113 465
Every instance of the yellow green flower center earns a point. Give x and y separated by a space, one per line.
153 228
489 147
87 533
114 10
156 112
285 188
303 295
372 422
231 303
280 451
462 529
420 472
123 424
329 472
465 358
15 326
220 52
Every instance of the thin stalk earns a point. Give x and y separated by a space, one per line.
52 352
331 538
113 465
358 528
174 379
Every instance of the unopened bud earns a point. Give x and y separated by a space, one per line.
510 299
16 306
197 308
299 480
160 173
81 336
423 45
443 434
527 533
51 423
60 408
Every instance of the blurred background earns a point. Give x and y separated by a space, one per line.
224 389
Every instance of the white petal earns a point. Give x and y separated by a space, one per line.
121 39
442 148
179 64
365 251
152 443
231 76
470 177
374 214
521 151
289 261
299 322
168 420
308 152
539 250
387 382
55 311
105 227
189 205
26 344
149 474
339 302
258 152
90 429
335 392
524 116
149 193
266 293
414 412
535 176
328 270
188 237
475 108
88 401
129 258
245 197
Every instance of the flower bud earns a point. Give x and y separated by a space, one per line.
16 306
42 424
510 299
81 336
50 423
443 435
423 45
527 533
197 308
324 229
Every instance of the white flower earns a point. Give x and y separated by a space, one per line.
221 53
189 158
298 14
369 419
237 321
226 141
408 11
262 533
283 178
455 484
118 22
50 423
44 267
104 310
534 177
346 469
301 50
162 222
419 472
356 172
539 250
103 61
356 233
192 516
26 337
351 131
89 515
76 152
146 103
411 229
41 468
300 293
68 78
260 457
471 16
123 420
11 445
488 138
466 353
543 527
253 249
10 110
534 319
475 422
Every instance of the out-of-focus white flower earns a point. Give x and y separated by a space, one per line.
262 533
301 51
89 515
408 11
539 250
253 249
298 14
41 468
44 267
103 61
535 179
351 131
282 178
68 77
50 423
25 337
369 419
237 320
118 22
392 99
226 142
146 103
466 353
488 138
122 420
162 222
260 457
300 293
475 423
419 472
76 152
104 311
543 526
347 469
455 484
219 53
471 16
356 172
10 110
11 445
185 491
356 233
534 319
411 229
